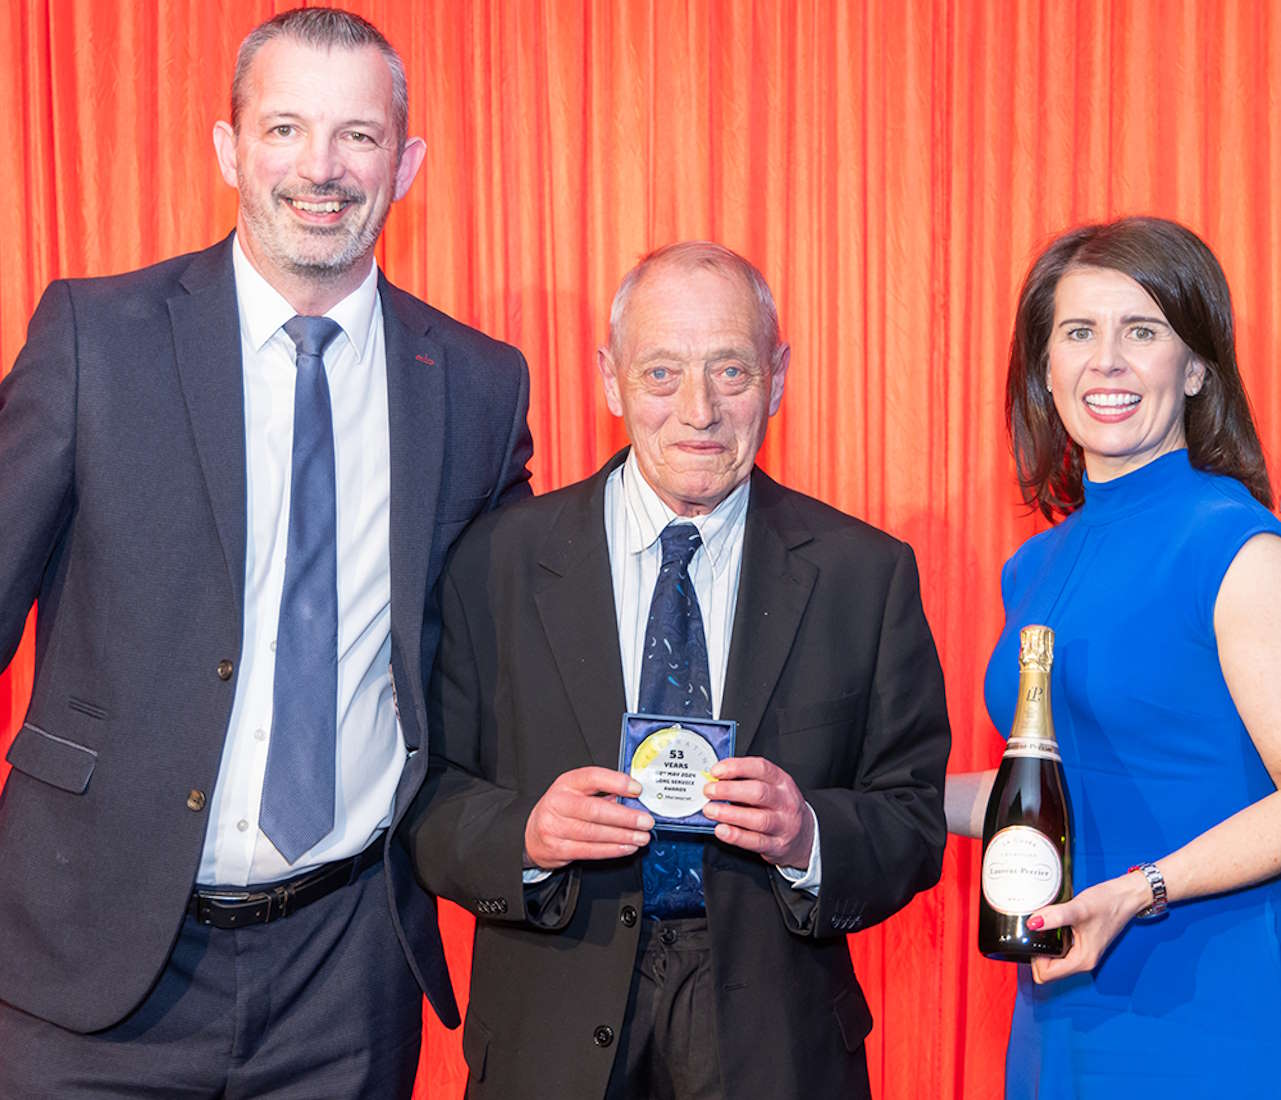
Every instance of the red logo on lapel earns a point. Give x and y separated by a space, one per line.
424 359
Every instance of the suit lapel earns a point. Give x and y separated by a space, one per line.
773 591
575 601
416 425
206 335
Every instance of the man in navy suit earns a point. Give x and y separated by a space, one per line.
230 483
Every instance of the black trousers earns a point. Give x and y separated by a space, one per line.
319 1006
668 1047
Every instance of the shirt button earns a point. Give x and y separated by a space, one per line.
628 916
603 1035
272 645
242 825
225 669
195 800
260 735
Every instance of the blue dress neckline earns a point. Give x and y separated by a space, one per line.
1149 486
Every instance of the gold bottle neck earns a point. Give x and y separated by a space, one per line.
1032 733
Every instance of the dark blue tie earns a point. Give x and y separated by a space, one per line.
675 680
298 790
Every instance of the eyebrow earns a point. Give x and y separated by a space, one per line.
715 355
351 123
1128 319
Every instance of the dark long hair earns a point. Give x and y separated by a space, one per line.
1181 274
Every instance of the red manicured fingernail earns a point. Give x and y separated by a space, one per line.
1035 923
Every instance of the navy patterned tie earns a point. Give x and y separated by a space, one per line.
675 680
298 789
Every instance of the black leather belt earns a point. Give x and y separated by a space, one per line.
236 908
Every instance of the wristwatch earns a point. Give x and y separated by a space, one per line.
1156 880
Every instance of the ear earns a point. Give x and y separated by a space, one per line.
224 140
1193 377
411 159
609 378
782 359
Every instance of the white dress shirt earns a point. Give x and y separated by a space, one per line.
634 520
371 747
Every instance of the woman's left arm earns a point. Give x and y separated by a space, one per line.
1244 849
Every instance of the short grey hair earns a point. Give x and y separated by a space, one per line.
323 28
709 256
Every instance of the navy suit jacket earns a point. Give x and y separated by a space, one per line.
123 515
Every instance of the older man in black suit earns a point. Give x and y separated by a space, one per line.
611 960
230 482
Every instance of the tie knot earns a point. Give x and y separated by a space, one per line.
679 540
311 335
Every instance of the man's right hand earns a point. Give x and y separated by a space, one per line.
577 818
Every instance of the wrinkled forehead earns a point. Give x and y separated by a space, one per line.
689 303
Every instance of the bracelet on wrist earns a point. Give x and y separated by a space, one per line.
1156 881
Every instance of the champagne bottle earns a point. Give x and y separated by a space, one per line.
1027 829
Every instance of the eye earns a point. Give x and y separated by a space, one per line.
661 378
733 376
1143 333
1079 333
359 138
284 130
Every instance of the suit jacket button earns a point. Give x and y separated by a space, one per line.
225 669
195 800
628 916
603 1035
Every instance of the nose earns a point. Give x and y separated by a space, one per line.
697 400
317 160
1110 358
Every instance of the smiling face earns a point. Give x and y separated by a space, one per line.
1118 372
692 383
316 163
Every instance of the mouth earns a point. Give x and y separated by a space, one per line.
331 206
1111 405
319 209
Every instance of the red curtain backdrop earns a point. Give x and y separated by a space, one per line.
891 165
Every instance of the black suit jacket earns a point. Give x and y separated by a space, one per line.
123 513
832 674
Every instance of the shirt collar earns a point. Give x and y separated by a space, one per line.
263 309
647 515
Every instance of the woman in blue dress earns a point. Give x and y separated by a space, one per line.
1161 578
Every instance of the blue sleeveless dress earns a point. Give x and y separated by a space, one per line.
1154 753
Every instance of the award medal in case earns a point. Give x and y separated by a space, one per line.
672 758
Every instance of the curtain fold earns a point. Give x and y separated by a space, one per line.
890 165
